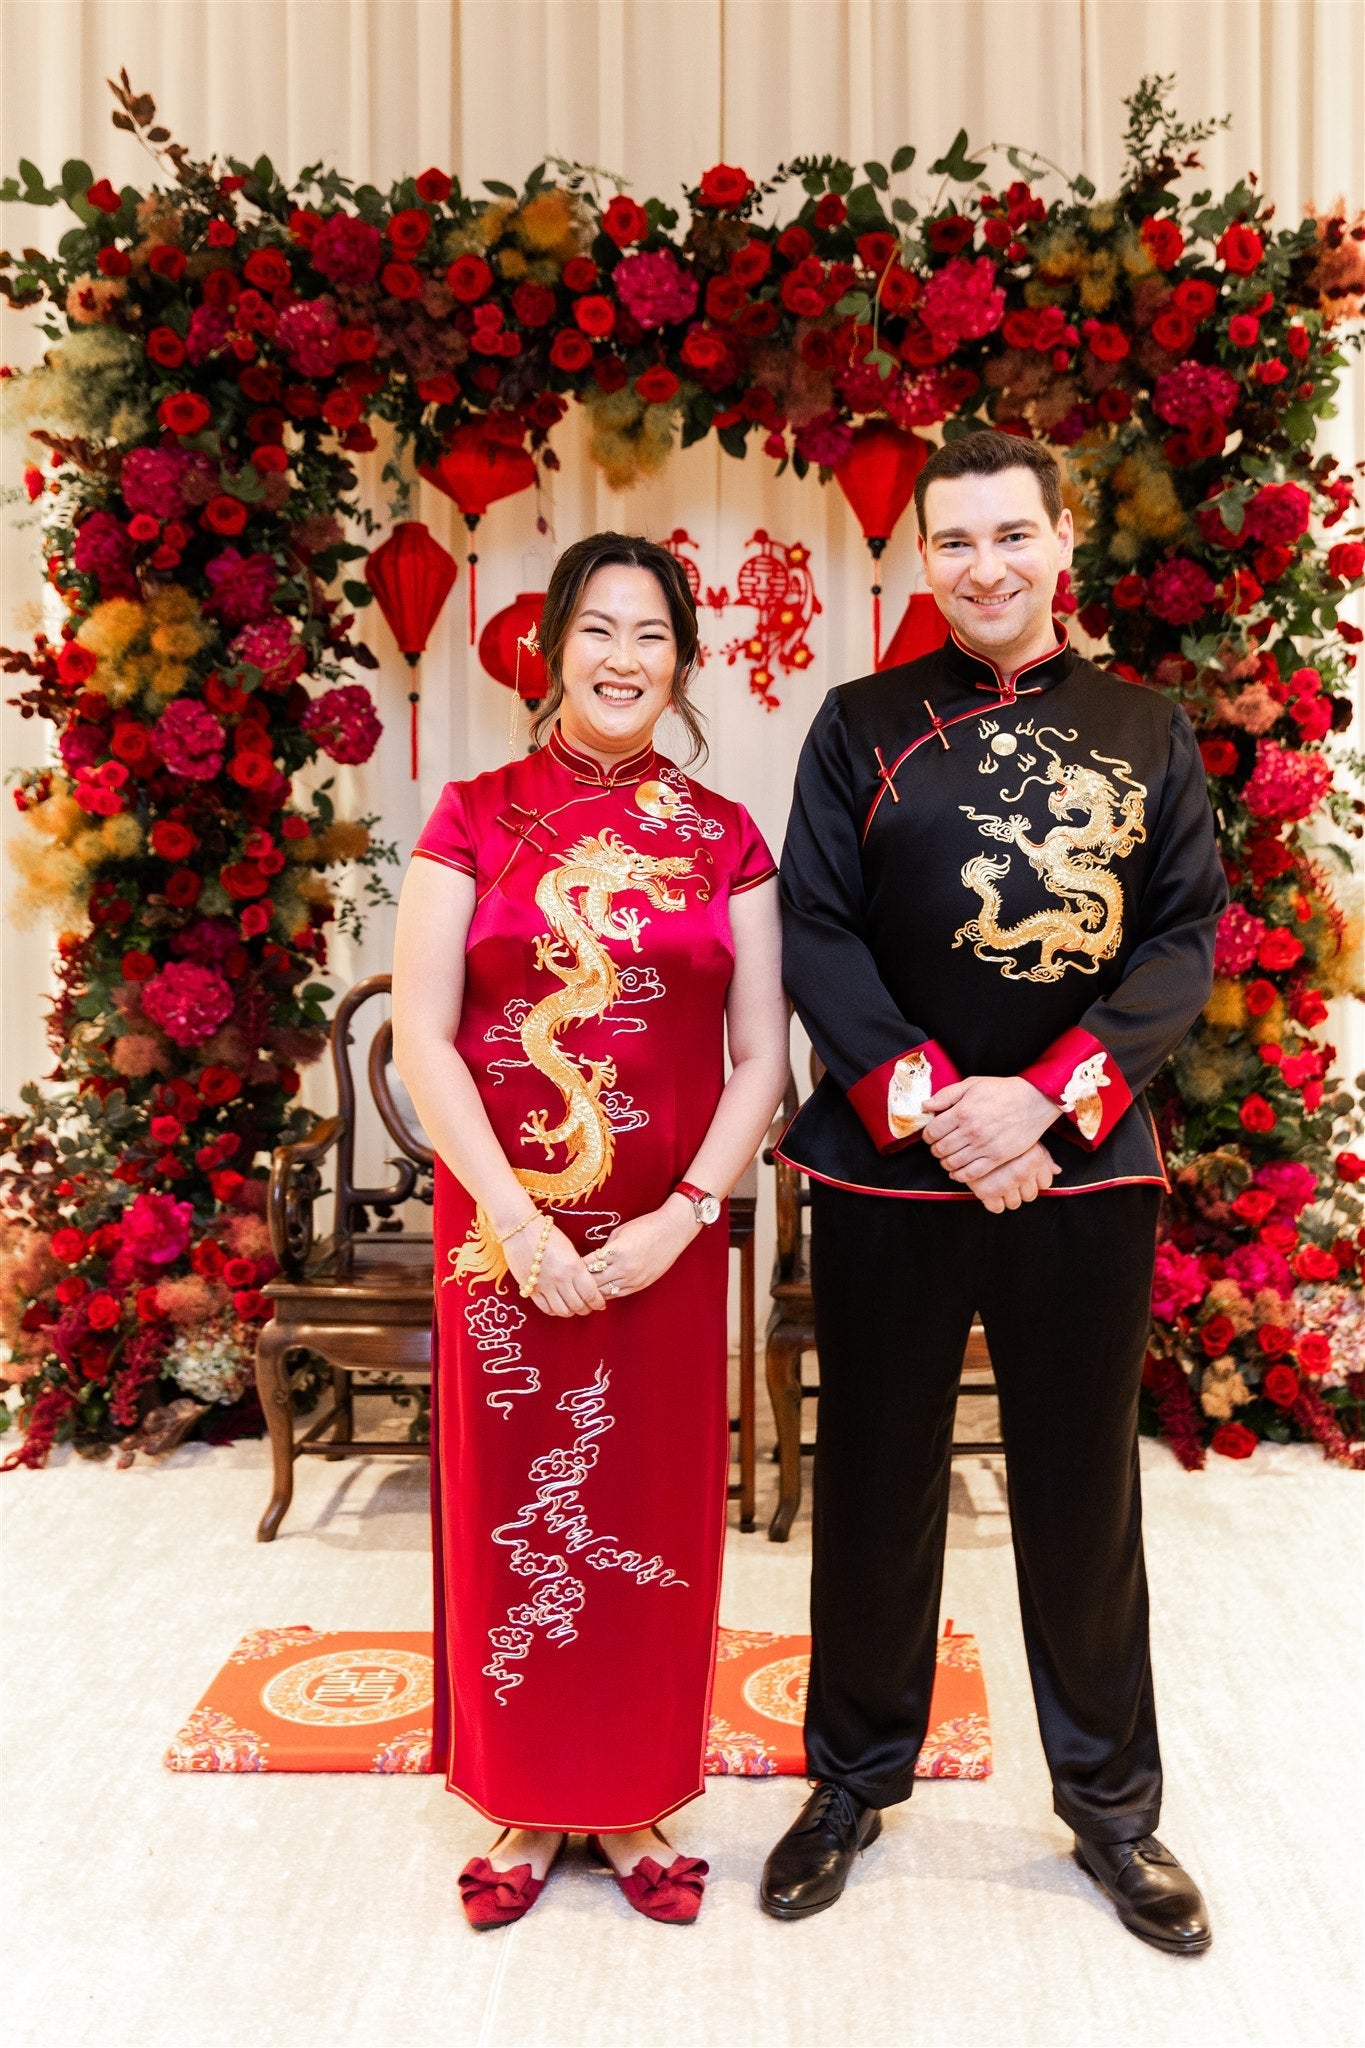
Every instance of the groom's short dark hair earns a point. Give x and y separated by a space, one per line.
986 452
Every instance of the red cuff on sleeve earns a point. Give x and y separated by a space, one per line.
1081 1077
890 1099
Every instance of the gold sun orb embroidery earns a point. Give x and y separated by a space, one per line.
658 800
1097 824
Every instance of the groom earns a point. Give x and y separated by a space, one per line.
1000 889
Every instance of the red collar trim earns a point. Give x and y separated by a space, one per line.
584 768
1008 686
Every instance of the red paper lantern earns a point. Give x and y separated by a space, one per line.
509 647
476 470
922 631
877 476
411 576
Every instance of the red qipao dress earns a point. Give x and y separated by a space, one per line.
579 1464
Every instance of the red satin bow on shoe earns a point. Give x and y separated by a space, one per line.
495 1898
672 1894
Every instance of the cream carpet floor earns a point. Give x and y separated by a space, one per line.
145 1909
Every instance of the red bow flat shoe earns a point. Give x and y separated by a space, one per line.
495 1898
672 1894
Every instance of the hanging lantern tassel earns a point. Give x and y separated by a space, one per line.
875 547
527 643
414 662
471 520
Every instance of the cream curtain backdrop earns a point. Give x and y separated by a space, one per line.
657 90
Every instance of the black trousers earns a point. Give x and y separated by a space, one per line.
1063 1288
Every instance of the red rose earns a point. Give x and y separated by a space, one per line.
137 966
1278 950
435 187
950 234
268 270
724 298
252 1306
226 1183
1261 997
1253 1205
401 280
1240 249
76 664
222 235
269 461
1234 1440
469 277
341 408
1244 330
597 315
1173 330
763 318
165 348
1256 1114
224 514
1298 341
724 185
1274 1339
533 304
1350 1166
1346 560
408 230
657 384
1239 592
875 250
165 260
1312 1263
166 1130
830 212
1129 593
751 264
1308 1009
795 244
251 769
103 1311
626 221
184 412
579 274
221 289
1270 563
102 196
1163 241
1281 1385
1315 1354
1216 1335
254 920
172 840
182 888
114 262
1219 756
703 350
570 351
218 1084
68 1245
1196 296
1107 343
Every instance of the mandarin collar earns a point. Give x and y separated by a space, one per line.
967 667
584 768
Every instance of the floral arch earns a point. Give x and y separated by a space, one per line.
221 344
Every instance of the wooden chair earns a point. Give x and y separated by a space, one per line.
791 1331
362 1298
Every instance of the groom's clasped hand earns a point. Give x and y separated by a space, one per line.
986 1132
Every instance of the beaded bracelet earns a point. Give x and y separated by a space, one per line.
524 1224
532 1280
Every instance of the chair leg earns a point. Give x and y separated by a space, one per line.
343 1397
747 1349
784 1389
272 1385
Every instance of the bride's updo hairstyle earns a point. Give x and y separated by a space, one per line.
569 579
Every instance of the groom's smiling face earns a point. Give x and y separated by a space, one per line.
991 558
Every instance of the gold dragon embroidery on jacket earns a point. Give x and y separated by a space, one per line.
575 899
1072 860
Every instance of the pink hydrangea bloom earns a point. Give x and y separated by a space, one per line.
1191 391
188 1002
917 401
189 739
654 288
310 335
155 1229
344 723
962 302
347 250
1178 1282
1254 1266
1285 784
207 332
154 480
1293 1185
825 440
243 586
271 647
1239 934
1179 591
1279 514
104 551
81 746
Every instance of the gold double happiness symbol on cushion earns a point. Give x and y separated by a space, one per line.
348 1688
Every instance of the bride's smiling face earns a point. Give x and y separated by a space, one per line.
619 662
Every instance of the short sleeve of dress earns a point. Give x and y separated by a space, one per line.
754 863
446 838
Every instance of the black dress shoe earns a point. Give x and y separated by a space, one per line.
809 1867
1156 1899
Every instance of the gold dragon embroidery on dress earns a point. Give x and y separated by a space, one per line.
575 899
1072 861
